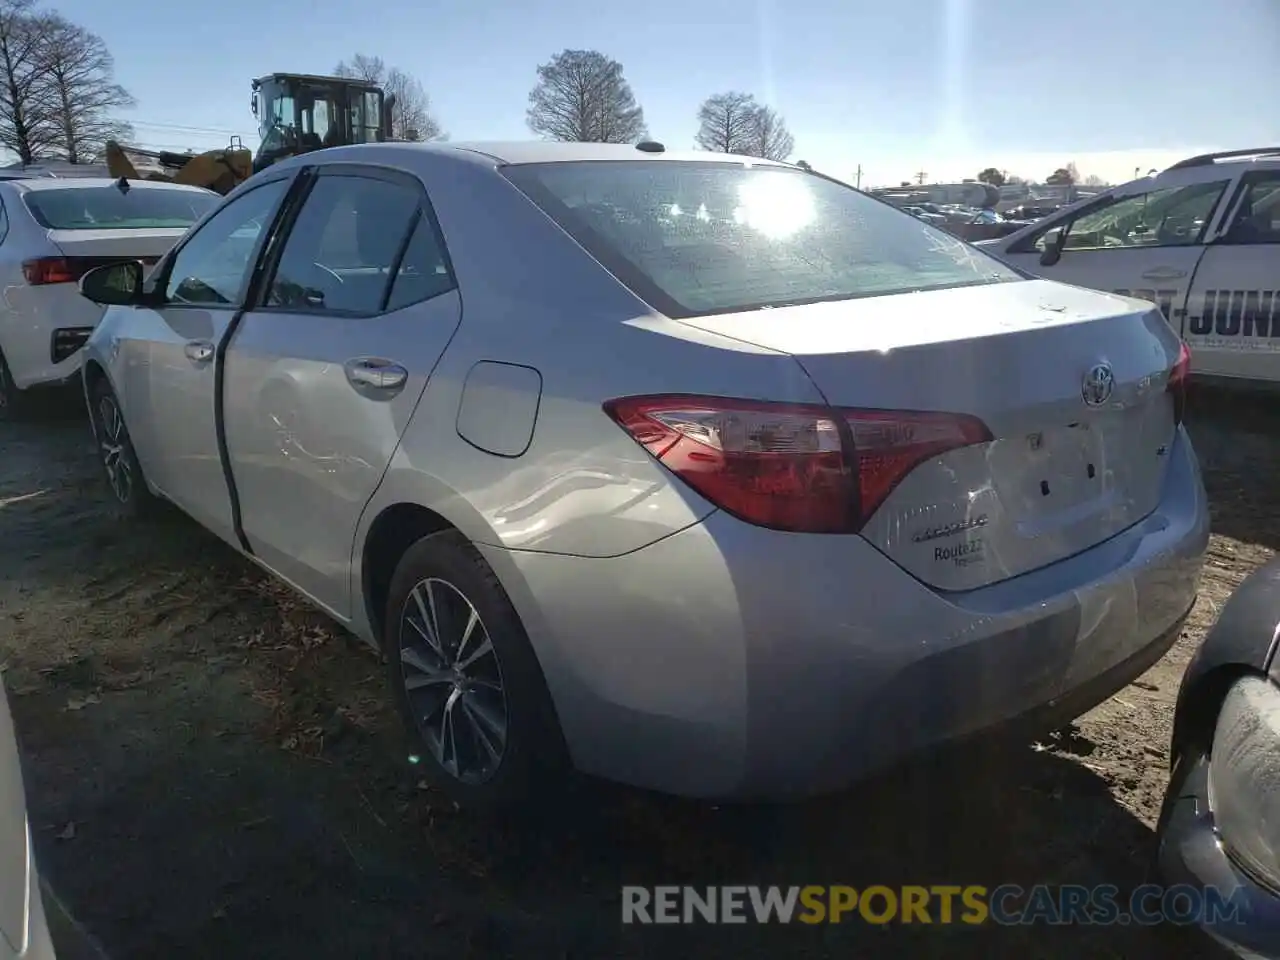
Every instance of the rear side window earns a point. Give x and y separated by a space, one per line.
342 248
107 208
424 271
700 238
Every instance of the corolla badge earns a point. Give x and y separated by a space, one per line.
1098 384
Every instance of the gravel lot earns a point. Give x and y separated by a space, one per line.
213 770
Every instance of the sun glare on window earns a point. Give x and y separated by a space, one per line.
777 205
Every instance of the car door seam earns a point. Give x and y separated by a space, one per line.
283 218
357 587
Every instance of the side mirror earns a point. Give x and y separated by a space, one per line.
115 284
1053 243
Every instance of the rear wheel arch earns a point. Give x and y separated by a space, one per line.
397 528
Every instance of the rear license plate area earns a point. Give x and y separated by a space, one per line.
1065 465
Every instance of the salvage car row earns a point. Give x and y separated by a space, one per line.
626 513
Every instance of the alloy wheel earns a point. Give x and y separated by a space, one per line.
453 681
111 440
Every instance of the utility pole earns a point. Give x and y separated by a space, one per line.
920 177
858 178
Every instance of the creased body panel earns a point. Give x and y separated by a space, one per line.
731 686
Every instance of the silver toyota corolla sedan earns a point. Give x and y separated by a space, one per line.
697 472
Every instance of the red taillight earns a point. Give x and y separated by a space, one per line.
812 469
68 269
889 444
1178 379
50 270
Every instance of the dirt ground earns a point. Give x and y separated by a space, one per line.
213 770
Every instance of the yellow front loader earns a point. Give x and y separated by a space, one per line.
218 170
296 112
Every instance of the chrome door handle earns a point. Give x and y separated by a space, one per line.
1164 273
198 351
375 373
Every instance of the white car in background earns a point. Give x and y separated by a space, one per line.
52 230
1201 240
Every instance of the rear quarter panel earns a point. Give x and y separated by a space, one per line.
531 296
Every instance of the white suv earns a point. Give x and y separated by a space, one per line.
1201 239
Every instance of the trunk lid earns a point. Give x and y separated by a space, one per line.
140 244
1060 475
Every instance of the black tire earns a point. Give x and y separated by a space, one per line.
130 497
14 403
444 572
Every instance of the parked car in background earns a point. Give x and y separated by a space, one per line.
1030 212
983 225
1220 824
713 488
51 231
1201 240
920 213
24 933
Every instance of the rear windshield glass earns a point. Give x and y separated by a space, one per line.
701 238
106 208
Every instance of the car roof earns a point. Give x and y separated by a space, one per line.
1267 157
545 151
78 183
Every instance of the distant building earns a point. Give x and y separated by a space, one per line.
970 193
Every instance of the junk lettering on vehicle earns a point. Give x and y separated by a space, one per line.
1222 313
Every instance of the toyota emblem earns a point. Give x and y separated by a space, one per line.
1098 384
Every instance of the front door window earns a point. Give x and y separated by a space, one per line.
213 267
1169 217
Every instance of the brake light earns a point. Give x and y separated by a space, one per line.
50 270
802 468
1179 377
889 444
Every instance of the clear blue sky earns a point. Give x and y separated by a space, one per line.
944 86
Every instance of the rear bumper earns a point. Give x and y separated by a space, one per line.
30 340
1189 853
729 661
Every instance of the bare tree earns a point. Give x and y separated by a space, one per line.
582 96
734 122
726 122
411 116
770 139
362 67
79 91
25 127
